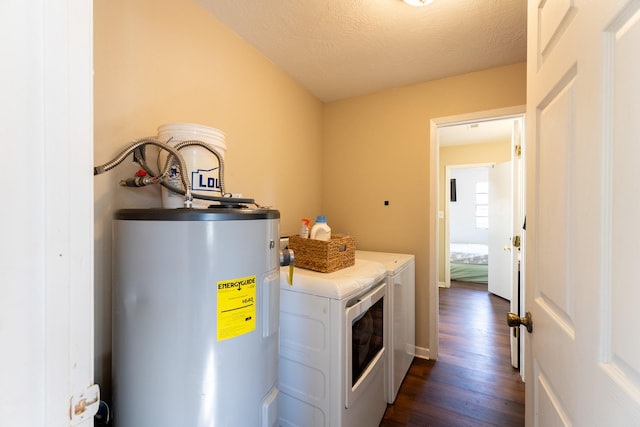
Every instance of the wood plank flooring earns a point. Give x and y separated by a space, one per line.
472 383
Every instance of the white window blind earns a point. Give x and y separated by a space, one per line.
482 205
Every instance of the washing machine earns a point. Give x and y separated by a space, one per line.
401 331
333 347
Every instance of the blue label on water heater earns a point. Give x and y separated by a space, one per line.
205 180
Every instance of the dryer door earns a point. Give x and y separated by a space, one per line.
365 349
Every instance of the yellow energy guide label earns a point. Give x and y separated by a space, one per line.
236 307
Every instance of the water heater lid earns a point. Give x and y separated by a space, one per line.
183 214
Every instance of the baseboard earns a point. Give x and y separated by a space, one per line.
442 284
422 353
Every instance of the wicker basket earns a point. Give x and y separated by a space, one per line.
325 257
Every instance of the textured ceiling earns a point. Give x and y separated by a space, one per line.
343 48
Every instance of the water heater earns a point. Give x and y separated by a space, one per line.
195 317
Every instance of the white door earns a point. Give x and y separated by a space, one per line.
582 270
517 180
505 225
500 230
46 220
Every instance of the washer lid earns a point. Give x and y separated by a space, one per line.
340 284
391 261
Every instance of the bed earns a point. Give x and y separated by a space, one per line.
469 262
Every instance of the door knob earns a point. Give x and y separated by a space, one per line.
514 320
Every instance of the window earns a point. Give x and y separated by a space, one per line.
482 205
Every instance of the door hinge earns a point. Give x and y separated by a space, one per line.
84 405
516 241
519 150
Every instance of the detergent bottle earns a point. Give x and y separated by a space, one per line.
321 230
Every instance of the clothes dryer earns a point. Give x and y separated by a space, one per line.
333 348
401 331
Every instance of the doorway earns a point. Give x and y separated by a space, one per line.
465 232
473 154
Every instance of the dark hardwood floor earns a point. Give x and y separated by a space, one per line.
472 383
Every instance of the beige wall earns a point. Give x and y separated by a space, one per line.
376 148
492 152
161 61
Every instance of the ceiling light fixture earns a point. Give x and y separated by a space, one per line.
418 2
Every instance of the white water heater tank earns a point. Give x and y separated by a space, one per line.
195 317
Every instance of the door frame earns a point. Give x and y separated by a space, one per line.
434 202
